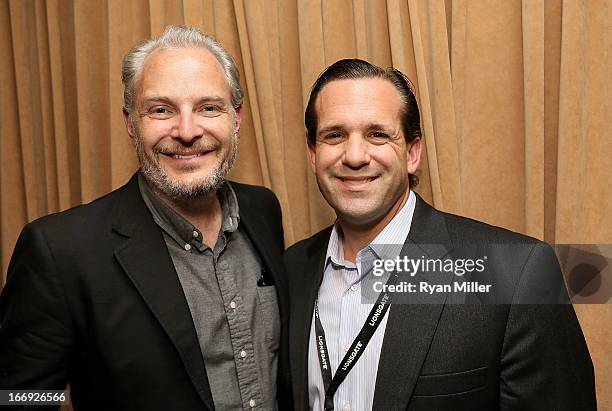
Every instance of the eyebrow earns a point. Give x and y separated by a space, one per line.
378 126
330 128
168 100
339 127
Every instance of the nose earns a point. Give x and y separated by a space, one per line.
356 152
188 128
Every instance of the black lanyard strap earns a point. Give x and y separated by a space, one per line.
357 347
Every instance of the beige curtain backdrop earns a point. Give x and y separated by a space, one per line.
515 99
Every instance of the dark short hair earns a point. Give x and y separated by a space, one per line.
353 69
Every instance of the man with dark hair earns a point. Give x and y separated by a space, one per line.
167 293
367 338
355 69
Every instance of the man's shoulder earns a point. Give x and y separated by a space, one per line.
461 228
259 208
465 229
251 191
84 217
257 202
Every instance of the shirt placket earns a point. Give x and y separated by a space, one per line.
350 325
240 335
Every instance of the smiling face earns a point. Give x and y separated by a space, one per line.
361 158
184 126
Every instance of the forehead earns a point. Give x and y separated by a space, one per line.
182 72
364 100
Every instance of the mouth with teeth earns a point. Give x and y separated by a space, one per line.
356 181
185 155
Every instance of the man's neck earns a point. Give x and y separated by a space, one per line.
356 236
204 213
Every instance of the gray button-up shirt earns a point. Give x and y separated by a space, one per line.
237 322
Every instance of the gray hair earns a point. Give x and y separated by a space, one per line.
177 37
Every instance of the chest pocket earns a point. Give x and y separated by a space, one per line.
267 304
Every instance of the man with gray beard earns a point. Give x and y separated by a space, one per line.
167 293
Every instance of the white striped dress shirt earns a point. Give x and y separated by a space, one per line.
342 315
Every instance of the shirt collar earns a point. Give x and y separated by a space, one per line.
179 228
387 244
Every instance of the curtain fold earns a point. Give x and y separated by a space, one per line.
13 208
258 29
583 212
552 64
533 91
584 179
515 100
93 99
129 23
432 56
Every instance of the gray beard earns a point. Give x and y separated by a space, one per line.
158 179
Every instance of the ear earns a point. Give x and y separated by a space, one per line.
413 155
237 118
312 155
128 123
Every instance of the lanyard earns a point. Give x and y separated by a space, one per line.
357 347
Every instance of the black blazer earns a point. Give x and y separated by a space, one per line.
93 299
442 356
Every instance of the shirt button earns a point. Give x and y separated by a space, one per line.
243 354
233 305
354 287
346 407
223 265
252 403
187 247
195 234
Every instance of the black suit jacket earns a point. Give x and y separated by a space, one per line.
443 356
93 299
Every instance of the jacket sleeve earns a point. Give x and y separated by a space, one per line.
36 336
545 360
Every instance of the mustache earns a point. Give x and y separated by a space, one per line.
180 148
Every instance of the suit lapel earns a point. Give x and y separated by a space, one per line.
145 259
411 326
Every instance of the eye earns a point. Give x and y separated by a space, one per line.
160 112
378 137
210 110
334 137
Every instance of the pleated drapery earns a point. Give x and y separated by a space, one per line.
515 98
